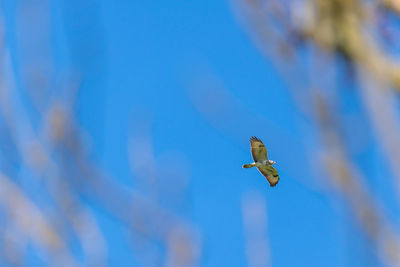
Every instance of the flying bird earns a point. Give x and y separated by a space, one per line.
261 161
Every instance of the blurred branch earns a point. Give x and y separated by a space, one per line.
348 180
381 106
145 217
36 156
255 230
53 153
393 5
33 223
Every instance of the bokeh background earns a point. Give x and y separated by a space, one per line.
124 126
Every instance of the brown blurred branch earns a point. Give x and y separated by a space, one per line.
33 223
56 156
392 5
144 216
348 180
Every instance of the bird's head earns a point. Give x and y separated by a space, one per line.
272 162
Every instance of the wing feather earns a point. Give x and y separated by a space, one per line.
270 173
258 150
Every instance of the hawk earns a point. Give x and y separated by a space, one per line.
261 161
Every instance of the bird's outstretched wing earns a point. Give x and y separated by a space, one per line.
258 150
270 173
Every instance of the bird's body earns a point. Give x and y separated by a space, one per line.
261 161
260 164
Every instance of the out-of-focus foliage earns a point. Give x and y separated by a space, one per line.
50 189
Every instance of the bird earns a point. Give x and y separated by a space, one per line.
261 161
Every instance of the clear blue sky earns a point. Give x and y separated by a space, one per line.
157 61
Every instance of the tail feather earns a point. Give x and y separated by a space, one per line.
249 165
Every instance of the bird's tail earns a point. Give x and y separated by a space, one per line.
249 165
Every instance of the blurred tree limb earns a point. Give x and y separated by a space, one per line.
50 187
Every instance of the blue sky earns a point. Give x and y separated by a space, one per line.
187 74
